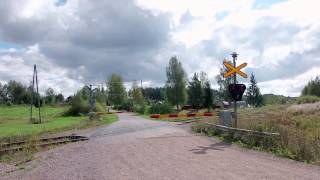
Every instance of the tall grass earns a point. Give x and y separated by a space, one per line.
298 125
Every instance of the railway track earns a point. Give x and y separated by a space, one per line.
43 142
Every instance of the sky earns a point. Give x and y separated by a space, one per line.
74 42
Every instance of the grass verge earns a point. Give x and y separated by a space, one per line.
299 129
15 126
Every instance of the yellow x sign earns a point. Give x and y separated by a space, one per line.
233 70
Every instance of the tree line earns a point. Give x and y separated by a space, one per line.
177 91
15 92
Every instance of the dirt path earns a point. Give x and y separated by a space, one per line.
135 148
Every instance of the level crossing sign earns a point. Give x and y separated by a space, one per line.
234 70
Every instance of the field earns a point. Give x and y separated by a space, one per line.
14 120
298 125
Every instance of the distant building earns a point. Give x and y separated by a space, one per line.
240 104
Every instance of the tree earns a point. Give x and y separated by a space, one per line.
17 92
312 88
101 96
195 92
4 98
207 95
153 94
203 78
224 85
50 96
136 93
254 96
176 83
116 90
59 98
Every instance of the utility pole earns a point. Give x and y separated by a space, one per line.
35 78
234 56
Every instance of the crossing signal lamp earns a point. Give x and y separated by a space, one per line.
236 91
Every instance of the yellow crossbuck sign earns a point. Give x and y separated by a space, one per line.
234 70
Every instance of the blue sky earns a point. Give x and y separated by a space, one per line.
7 45
262 4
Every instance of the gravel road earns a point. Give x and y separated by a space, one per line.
135 148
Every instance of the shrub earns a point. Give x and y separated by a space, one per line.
141 108
127 105
98 107
78 106
307 99
159 108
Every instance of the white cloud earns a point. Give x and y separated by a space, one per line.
85 40
18 65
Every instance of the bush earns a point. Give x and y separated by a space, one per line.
159 108
141 108
127 105
99 107
78 106
307 99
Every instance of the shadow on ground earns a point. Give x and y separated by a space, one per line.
217 146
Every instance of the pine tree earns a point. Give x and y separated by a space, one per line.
176 93
312 88
254 96
195 92
207 95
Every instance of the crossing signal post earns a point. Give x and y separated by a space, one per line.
236 90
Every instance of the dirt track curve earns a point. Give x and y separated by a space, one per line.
135 148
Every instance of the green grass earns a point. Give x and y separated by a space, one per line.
15 121
111 118
20 128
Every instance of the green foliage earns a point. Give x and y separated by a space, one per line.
160 108
50 96
269 99
98 107
15 93
176 83
223 92
154 94
127 105
254 96
207 95
59 98
116 90
195 96
136 94
140 108
101 96
79 106
312 88
307 99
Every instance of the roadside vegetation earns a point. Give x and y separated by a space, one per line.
14 121
298 125
296 119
